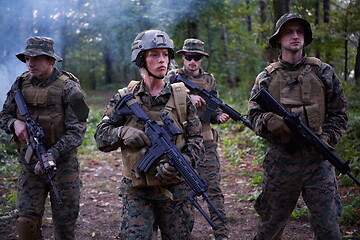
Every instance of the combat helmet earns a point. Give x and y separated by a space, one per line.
291 17
150 39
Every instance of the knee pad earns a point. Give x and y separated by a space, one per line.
28 227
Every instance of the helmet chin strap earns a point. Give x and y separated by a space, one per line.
151 74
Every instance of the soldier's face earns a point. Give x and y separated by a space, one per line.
192 65
40 67
291 37
157 61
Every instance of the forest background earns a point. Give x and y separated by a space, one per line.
94 38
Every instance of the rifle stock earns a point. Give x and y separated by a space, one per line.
162 138
212 102
301 132
36 134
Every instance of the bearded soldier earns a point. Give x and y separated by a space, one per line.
193 53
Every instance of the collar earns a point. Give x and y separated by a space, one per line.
48 81
292 66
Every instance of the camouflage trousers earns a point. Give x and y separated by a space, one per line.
209 170
33 190
144 213
287 176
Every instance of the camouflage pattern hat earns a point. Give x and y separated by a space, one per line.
36 46
193 45
291 17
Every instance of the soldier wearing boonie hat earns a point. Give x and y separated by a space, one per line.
55 100
36 46
193 45
193 51
308 87
273 40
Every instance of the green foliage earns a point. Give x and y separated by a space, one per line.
9 169
89 144
299 212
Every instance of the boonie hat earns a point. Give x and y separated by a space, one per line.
36 46
291 17
193 45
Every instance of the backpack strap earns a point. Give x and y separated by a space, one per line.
128 89
178 100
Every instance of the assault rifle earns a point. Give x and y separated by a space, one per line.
36 135
302 134
162 138
212 102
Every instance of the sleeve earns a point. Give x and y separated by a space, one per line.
255 112
106 134
336 119
194 147
75 126
8 114
213 89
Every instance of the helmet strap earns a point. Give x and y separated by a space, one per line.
151 74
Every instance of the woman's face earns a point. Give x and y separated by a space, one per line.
157 61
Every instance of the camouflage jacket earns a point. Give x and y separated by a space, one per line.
204 81
336 117
74 128
106 135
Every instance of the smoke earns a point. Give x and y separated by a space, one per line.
113 24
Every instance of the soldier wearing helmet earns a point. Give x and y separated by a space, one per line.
157 199
193 53
56 101
307 86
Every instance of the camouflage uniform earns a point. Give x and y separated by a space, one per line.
209 167
32 189
147 208
289 172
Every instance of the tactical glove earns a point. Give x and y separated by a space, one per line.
325 139
276 125
49 164
165 171
133 137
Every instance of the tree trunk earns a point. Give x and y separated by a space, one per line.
346 44
280 8
326 11
108 66
326 19
357 65
248 17
230 79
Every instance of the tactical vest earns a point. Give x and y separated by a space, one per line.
46 106
300 91
176 108
208 133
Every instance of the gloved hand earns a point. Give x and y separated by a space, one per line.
49 163
325 139
165 171
134 137
276 125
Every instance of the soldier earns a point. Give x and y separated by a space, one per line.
55 99
308 86
157 199
209 168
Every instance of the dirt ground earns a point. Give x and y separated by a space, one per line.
100 204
